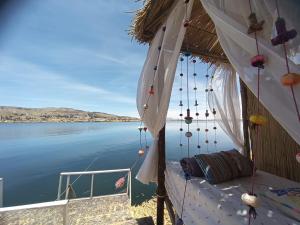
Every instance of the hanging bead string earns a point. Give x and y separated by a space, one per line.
196 106
288 68
145 107
214 112
252 211
188 118
181 104
206 111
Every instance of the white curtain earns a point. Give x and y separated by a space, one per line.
170 41
231 20
225 99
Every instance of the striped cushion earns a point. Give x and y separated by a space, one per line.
224 166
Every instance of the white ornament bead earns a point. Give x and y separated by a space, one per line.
250 200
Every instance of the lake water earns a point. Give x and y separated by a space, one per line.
33 154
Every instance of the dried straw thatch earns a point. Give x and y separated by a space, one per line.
274 149
201 38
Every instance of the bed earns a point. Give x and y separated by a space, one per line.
207 204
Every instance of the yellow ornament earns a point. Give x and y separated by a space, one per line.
258 119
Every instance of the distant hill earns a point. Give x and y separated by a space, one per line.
19 114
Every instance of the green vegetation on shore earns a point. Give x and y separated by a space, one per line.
18 114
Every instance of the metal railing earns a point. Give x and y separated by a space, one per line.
92 174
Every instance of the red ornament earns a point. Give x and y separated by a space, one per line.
258 61
151 92
120 183
145 129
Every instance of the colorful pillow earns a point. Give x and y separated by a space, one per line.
224 166
190 166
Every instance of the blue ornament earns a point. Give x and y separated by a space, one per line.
187 176
188 134
179 221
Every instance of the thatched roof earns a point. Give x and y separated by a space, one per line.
200 37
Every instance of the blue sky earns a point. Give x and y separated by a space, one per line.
72 53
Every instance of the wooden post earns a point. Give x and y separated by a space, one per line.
161 190
244 99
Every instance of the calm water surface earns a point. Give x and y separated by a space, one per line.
33 154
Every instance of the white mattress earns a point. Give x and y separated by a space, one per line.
207 204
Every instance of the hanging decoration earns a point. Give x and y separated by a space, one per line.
283 36
180 103
196 105
214 112
250 198
188 120
151 91
206 110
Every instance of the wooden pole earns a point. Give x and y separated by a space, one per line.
244 99
161 190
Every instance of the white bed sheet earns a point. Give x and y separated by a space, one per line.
207 204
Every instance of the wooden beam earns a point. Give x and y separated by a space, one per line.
169 207
244 99
161 190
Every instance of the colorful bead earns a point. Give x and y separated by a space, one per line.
179 222
194 60
186 23
120 183
290 79
180 89
198 146
141 152
211 89
250 200
181 59
188 134
181 129
258 61
180 114
194 74
181 74
214 128
140 129
197 114
206 75
196 103
195 88
151 92
206 130
283 35
188 119
214 112
198 129
145 106
254 24
180 104
258 119
145 129
206 141
206 113
187 54
187 176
